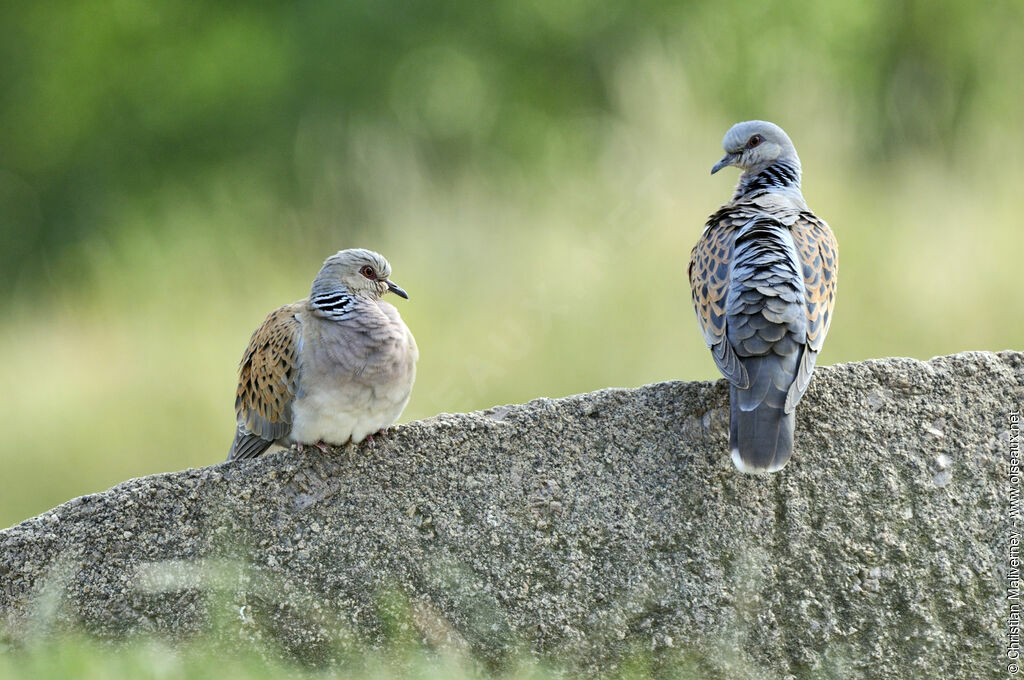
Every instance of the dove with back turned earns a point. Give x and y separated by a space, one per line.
335 367
763 277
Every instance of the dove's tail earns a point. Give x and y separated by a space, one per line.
760 430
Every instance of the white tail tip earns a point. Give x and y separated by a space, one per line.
749 470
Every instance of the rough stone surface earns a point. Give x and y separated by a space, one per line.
586 528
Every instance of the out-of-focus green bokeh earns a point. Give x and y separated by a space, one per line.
535 171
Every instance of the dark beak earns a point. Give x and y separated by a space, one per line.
397 290
727 160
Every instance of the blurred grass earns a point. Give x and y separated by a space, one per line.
539 213
410 641
84 658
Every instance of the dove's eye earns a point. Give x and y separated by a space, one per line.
754 141
368 272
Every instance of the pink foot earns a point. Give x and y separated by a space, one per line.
382 432
300 447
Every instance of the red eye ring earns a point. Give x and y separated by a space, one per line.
754 141
368 272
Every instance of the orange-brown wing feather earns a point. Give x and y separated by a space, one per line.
709 284
709 275
819 257
268 375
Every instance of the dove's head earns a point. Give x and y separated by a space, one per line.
361 271
754 145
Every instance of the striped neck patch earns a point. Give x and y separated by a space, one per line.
778 175
334 305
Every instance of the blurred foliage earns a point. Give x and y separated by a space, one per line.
80 656
535 171
412 640
110 101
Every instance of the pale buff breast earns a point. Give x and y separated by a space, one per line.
357 389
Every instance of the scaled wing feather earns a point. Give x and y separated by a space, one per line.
819 256
269 376
819 259
709 282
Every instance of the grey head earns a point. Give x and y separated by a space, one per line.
359 271
754 145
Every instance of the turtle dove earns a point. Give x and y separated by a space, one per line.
332 368
763 277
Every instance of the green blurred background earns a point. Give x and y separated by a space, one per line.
535 170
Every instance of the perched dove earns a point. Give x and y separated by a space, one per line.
335 367
763 276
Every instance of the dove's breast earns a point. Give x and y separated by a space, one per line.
358 383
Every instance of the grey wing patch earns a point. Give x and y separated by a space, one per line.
803 379
729 364
247 445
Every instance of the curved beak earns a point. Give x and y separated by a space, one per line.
396 289
727 160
